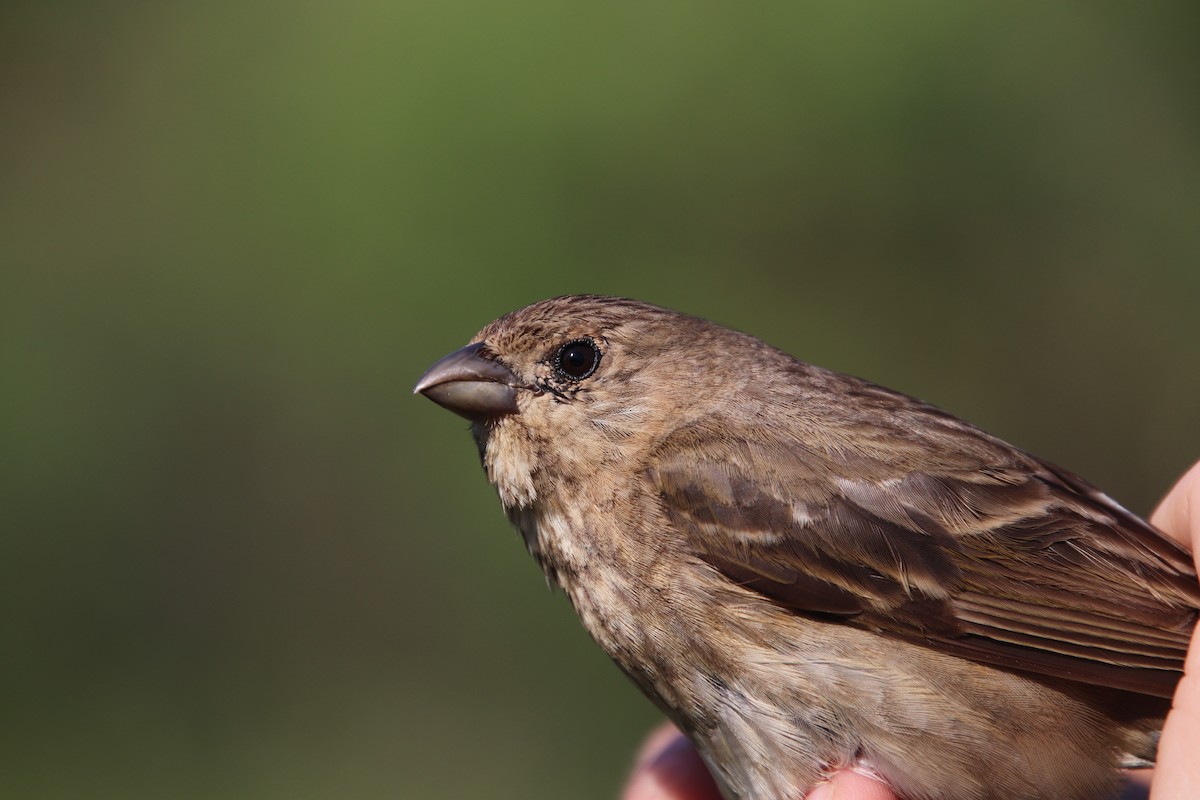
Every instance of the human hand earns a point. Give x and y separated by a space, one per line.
1177 775
668 768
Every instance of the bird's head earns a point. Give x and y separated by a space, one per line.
577 381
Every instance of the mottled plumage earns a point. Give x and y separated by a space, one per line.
808 572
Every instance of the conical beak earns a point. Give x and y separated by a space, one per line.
471 385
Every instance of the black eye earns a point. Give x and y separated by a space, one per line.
576 360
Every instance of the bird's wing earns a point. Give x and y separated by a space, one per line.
994 556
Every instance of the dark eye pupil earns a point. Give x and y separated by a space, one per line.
578 359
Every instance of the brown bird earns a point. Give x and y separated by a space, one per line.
808 572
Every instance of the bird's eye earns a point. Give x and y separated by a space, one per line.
576 360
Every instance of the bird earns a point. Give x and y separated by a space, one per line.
808 572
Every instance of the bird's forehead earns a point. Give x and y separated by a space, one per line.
533 339
546 323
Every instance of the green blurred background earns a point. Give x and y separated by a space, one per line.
239 560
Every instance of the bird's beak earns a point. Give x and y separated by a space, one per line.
471 385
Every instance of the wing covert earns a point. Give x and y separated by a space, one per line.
1013 563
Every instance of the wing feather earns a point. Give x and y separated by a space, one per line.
990 553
